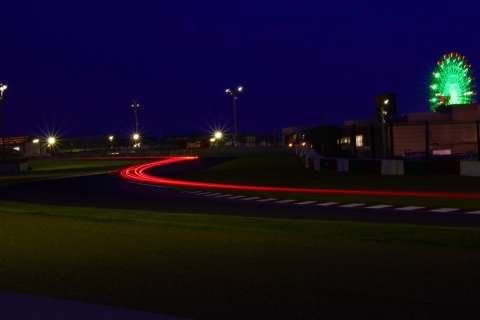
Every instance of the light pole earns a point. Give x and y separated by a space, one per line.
218 135
234 93
136 138
3 88
111 139
51 142
135 107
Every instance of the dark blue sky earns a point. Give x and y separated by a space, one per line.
74 66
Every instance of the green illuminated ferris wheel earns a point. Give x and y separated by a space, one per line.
452 82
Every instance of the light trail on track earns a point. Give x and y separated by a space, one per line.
138 173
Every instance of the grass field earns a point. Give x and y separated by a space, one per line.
51 168
285 170
227 267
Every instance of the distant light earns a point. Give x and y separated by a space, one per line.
240 88
359 141
436 75
304 144
290 145
136 137
228 91
218 135
442 152
16 148
386 102
212 140
51 141
111 138
3 88
36 141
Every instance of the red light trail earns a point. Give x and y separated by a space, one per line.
138 173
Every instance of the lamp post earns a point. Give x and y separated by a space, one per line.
51 142
111 139
135 107
218 135
234 93
3 88
136 139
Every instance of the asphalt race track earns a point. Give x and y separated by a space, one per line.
111 191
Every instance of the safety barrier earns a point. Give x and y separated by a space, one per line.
393 168
389 167
470 168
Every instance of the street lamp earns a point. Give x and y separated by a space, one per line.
3 88
218 135
36 141
135 107
136 137
234 93
51 141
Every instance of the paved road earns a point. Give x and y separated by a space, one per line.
110 191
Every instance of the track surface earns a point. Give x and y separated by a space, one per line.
110 191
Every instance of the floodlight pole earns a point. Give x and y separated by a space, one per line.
235 118
135 107
234 93
3 88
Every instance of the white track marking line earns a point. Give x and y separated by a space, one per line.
267 200
213 194
195 192
352 205
237 197
444 210
380 206
327 204
285 201
251 199
305 203
474 212
410 208
204 194
223 196
138 184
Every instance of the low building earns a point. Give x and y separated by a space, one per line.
453 132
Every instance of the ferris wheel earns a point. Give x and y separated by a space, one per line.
452 82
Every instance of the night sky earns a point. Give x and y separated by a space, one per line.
75 66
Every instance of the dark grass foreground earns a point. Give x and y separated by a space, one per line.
239 268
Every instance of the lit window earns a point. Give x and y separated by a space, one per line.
345 140
359 141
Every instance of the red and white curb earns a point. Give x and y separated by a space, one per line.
306 203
